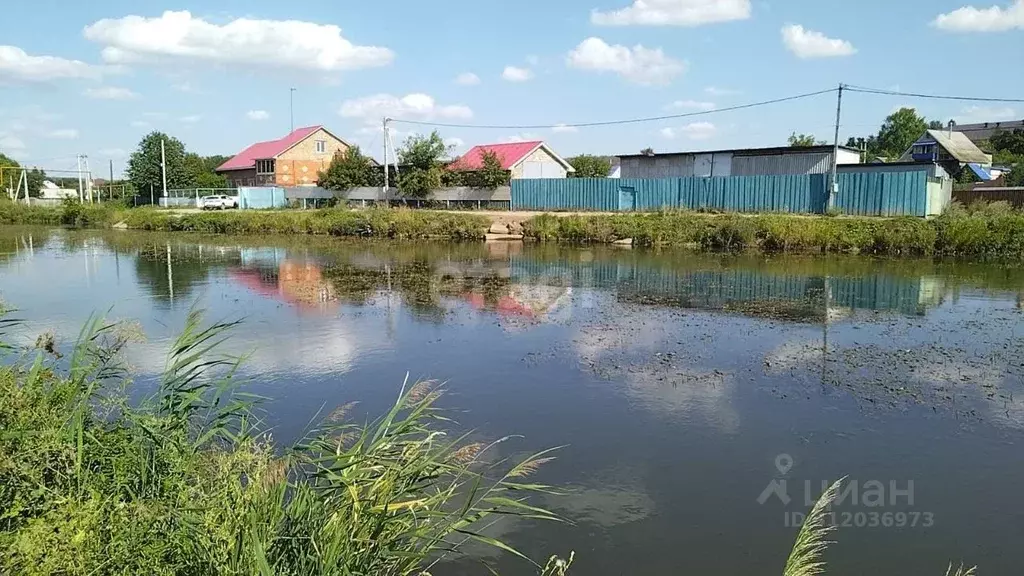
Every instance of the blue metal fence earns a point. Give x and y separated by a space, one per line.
259 198
861 193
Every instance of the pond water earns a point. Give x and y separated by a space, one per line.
701 399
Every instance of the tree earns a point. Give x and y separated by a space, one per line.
420 157
143 168
200 174
588 166
35 179
647 151
492 174
805 140
935 125
351 169
1012 142
899 131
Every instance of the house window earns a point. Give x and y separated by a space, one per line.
264 166
321 146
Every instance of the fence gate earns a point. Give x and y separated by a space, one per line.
627 199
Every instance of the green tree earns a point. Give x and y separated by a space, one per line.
200 175
589 166
899 131
936 125
421 157
349 170
8 178
143 168
647 151
492 174
1012 142
805 140
35 178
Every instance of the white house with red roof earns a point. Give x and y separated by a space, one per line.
521 159
295 160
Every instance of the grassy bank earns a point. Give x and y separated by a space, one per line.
371 223
958 232
187 483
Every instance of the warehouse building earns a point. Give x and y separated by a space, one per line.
743 162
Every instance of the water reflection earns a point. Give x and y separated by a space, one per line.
675 378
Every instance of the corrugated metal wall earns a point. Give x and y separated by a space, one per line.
780 164
883 193
716 289
861 193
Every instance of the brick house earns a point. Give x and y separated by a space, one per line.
295 160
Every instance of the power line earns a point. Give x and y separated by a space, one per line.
615 122
864 90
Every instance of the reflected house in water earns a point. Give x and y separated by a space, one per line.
534 303
294 282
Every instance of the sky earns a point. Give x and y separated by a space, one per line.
93 78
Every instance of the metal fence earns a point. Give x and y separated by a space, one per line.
861 193
1015 196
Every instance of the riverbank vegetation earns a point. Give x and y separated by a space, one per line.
186 482
979 230
982 230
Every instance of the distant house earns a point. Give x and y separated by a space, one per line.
984 131
952 150
51 191
523 159
294 160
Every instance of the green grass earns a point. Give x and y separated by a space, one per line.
996 232
187 483
398 223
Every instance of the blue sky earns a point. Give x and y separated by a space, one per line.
93 78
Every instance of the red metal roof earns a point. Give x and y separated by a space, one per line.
265 150
509 154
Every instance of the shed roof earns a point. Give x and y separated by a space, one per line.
509 155
265 150
773 150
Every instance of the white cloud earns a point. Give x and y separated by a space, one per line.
190 119
562 128
372 109
636 64
691 105
112 153
673 13
719 91
63 134
991 19
10 142
810 44
184 87
456 143
257 115
291 44
515 74
110 93
467 79
694 131
977 114
523 137
140 124
17 66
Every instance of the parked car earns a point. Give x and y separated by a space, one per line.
218 202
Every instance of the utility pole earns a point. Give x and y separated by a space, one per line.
88 178
110 183
163 166
81 195
291 108
386 183
834 184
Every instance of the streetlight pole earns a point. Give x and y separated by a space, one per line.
291 108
